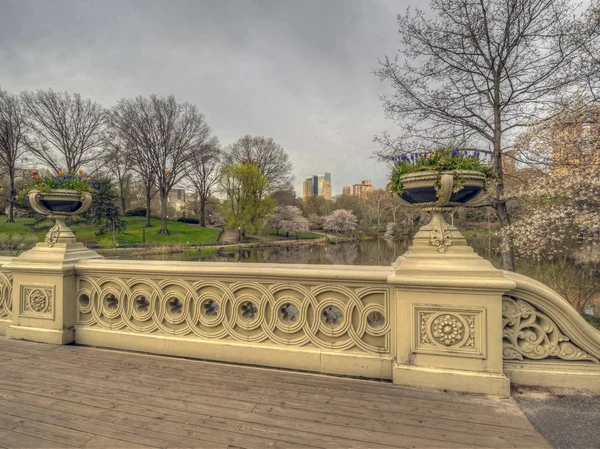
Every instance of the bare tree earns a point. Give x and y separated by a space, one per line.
119 167
270 157
12 129
203 173
65 131
161 136
376 203
480 70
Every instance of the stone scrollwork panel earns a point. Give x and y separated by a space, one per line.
6 284
37 301
330 317
528 333
455 330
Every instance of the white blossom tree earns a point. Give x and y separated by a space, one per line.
560 212
340 221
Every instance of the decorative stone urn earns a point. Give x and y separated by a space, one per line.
59 205
439 192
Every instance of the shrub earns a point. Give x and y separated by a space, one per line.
188 220
136 212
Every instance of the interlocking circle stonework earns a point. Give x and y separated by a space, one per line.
330 317
5 295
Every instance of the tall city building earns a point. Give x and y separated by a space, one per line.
308 188
362 190
317 185
346 190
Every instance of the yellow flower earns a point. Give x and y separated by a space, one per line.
61 173
80 171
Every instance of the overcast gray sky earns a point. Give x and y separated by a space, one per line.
299 71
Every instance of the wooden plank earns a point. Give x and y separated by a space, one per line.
99 369
344 386
200 384
224 437
333 440
99 442
51 432
72 393
307 427
224 412
41 396
11 439
412 408
312 427
170 363
417 427
246 401
148 436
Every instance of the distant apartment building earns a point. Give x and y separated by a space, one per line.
509 162
317 185
362 190
346 190
575 139
176 199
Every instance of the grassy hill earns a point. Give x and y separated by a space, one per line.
180 233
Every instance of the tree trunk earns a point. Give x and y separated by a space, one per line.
11 206
123 205
148 201
163 214
202 211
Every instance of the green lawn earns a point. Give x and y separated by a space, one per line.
303 235
179 232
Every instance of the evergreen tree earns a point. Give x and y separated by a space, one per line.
105 210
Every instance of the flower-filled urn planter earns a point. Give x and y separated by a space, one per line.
438 182
60 204
443 188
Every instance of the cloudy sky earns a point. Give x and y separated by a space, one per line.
299 71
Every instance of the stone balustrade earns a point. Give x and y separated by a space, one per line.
442 320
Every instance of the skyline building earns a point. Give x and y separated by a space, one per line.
308 188
362 190
346 190
317 185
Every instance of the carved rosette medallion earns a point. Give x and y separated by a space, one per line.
37 301
455 329
447 329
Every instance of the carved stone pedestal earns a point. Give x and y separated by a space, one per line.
449 314
43 294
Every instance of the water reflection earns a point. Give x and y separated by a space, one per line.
377 251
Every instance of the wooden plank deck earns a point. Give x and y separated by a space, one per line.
73 396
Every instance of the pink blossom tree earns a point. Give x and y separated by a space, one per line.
283 216
340 221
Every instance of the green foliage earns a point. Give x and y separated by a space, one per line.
136 212
188 220
104 211
442 159
248 202
62 181
16 243
593 320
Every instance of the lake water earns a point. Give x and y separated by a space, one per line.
377 251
